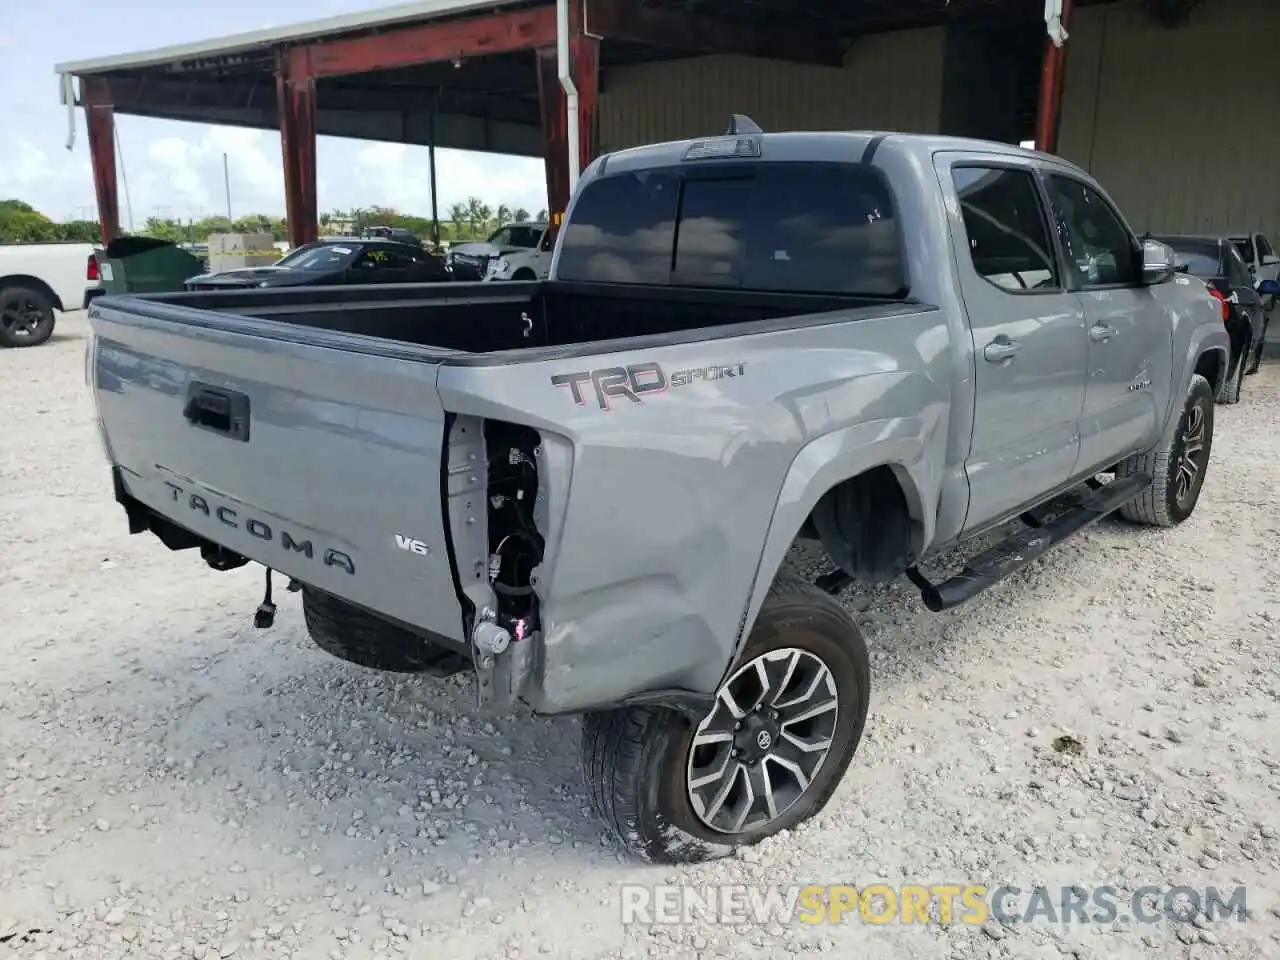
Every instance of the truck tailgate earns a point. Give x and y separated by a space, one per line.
321 463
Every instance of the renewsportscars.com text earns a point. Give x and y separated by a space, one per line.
973 904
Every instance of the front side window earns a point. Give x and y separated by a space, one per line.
1100 250
1005 228
793 227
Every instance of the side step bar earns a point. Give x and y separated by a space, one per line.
1023 547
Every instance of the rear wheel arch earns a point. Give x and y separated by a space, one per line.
32 283
885 456
1212 364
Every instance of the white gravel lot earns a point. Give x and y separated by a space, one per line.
174 783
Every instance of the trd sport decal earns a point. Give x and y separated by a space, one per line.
638 380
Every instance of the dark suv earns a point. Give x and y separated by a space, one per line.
1217 261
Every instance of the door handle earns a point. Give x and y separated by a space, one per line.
1101 333
225 412
1001 350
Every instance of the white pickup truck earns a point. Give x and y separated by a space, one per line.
38 278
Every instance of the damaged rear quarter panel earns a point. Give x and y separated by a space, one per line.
656 532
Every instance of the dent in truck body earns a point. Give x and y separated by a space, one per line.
671 500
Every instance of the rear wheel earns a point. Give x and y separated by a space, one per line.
26 317
1234 382
1178 464
785 725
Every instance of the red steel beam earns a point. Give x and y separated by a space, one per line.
697 33
100 118
584 68
504 32
296 103
1053 75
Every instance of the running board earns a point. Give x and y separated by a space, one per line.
1023 547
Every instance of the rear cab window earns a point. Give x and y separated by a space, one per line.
826 228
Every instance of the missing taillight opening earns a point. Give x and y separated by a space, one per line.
515 544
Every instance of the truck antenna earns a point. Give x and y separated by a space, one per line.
740 123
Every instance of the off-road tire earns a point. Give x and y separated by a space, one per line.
635 759
44 328
351 634
1158 505
1234 382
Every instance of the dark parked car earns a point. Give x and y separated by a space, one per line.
1217 261
333 261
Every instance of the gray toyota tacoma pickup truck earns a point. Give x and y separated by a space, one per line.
584 489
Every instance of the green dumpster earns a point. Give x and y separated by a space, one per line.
145 265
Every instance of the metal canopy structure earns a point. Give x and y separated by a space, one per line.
469 75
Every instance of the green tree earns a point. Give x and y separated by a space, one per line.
520 215
22 223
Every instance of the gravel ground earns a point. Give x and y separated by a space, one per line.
175 783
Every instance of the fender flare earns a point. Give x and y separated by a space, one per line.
1205 339
823 463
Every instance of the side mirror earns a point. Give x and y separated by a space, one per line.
1158 263
1269 288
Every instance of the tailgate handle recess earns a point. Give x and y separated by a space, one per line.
225 412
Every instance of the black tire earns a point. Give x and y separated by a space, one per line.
1160 505
1234 382
350 634
26 317
524 273
1256 361
636 760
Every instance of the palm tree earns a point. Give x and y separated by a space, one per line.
457 216
521 214
504 214
477 214
543 215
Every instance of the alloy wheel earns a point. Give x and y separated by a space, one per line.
1190 454
20 316
764 742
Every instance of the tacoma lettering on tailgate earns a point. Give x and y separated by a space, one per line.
258 528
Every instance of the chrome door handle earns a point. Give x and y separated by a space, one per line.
1101 333
1001 350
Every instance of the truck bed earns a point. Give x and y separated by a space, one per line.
489 318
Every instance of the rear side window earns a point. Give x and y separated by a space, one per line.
1005 227
1237 269
1200 260
794 227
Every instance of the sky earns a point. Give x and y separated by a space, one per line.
175 169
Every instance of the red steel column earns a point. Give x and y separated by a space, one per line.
100 118
585 55
296 105
554 132
1053 74
584 67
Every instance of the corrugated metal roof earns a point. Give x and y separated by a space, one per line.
258 39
